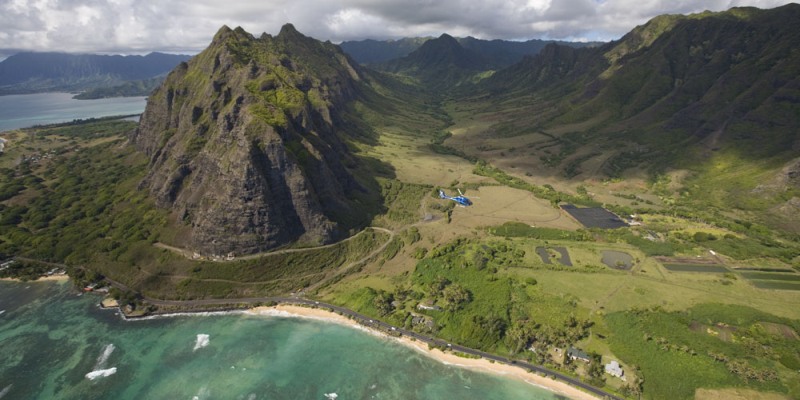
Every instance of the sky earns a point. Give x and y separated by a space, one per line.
187 26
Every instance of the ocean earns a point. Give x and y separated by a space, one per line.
24 110
57 344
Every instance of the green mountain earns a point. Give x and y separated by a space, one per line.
711 80
247 143
500 53
371 51
713 94
439 63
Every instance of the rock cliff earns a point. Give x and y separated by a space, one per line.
246 143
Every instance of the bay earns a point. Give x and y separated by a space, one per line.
25 110
56 344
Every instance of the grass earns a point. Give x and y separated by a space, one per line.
707 268
517 229
675 360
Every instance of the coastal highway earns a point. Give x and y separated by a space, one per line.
384 327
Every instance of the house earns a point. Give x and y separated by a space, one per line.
578 354
614 369
422 320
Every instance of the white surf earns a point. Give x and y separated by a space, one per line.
202 341
102 373
103 357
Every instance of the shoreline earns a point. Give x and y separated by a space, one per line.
57 278
475 364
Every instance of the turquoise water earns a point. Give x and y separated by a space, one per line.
24 110
51 338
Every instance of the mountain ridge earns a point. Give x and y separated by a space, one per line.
502 53
40 72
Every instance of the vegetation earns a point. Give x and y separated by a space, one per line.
710 345
708 189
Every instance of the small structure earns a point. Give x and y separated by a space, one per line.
7 263
429 306
578 354
614 369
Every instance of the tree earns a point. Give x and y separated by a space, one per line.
595 371
518 336
455 296
383 302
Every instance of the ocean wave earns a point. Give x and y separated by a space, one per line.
1 313
103 357
331 396
5 391
102 373
202 341
186 314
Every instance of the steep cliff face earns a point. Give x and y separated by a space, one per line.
245 142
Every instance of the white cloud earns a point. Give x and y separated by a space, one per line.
127 26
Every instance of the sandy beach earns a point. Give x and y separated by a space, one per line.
41 278
483 365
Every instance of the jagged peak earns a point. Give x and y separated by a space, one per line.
223 32
288 30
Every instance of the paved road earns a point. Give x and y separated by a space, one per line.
382 326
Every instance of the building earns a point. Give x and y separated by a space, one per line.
614 369
578 354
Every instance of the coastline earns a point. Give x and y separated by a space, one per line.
63 277
476 364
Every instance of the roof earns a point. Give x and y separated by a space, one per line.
613 368
578 353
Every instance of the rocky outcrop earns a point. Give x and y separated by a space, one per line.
245 142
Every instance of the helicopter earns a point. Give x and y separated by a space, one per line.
460 199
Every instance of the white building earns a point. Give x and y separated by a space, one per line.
614 369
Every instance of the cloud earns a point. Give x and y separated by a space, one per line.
136 26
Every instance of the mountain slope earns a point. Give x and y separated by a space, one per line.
500 53
37 72
246 142
439 63
712 79
371 51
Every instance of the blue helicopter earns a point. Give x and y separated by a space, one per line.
460 199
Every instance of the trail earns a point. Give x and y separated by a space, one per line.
190 254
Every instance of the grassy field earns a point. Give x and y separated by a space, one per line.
676 360
69 195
